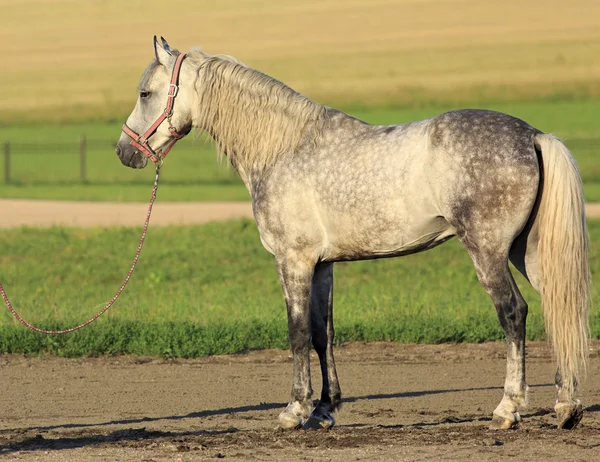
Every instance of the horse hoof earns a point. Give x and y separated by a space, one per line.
289 422
319 422
569 415
292 417
502 423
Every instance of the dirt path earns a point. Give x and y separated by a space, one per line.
402 402
22 212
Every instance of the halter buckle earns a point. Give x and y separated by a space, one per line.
173 90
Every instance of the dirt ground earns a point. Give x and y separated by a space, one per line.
23 212
402 402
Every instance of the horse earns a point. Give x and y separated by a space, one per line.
327 187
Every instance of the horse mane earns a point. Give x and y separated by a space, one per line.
253 118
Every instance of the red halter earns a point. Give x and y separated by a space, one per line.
140 142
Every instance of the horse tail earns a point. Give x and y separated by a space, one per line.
565 281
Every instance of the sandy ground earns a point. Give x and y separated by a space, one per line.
402 402
22 212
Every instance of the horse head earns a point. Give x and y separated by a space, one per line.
162 113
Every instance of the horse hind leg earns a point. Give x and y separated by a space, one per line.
524 255
495 276
322 338
569 410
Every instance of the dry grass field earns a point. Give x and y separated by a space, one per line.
73 59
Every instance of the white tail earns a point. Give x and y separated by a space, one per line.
563 260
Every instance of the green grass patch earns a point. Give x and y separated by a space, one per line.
213 289
45 160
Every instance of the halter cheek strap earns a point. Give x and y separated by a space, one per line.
140 142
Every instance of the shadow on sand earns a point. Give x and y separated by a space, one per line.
40 443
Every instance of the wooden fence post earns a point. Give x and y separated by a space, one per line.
7 162
82 159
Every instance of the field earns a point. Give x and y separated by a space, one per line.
72 60
75 65
73 72
212 289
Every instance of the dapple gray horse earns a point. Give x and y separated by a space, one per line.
327 187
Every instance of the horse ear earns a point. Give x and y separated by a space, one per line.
162 54
168 49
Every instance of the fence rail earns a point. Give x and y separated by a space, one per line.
93 161
88 161
48 149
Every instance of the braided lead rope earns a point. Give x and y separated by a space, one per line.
114 299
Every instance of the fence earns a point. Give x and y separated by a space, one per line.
93 161
87 161
36 148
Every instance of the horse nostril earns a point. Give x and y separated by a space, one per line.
118 150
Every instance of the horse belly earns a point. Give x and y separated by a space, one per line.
378 240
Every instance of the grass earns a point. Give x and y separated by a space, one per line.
213 289
72 60
45 159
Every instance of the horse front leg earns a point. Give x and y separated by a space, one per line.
322 338
296 273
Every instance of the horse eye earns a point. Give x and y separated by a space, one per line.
144 94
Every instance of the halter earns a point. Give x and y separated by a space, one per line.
140 142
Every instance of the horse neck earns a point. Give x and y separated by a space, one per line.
255 120
243 170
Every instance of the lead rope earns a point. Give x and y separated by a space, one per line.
114 299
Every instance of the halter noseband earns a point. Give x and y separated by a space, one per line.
140 142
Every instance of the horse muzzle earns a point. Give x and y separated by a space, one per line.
130 157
